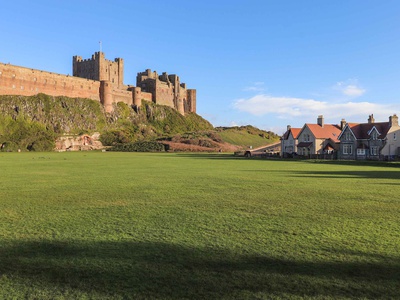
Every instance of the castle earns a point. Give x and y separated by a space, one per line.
99 79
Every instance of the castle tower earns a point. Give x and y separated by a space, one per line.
99 68
137 96
191 98
106 97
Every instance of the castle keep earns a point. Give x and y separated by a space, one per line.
102 80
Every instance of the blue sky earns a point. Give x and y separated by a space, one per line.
266 63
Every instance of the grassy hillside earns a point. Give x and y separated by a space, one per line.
188 226
25 119
246 136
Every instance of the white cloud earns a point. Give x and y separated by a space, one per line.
288 107
255 87
350 88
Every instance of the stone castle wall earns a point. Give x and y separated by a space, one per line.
16 80
101 80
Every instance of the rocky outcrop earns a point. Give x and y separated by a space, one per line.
79 143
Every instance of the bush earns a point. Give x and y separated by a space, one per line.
24 134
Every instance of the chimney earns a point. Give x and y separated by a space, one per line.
371 119
288 127
393 120
342 124
320 120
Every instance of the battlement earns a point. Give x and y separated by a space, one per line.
99 79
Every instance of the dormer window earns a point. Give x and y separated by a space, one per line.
374 135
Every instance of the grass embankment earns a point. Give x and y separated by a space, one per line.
173 226
246 136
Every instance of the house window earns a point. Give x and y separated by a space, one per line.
347 136
374 135
374 150
360 151
347 149
394 136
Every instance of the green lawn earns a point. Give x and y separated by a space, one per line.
94 225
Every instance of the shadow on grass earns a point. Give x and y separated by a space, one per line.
132 270
227 156
369 174
367 163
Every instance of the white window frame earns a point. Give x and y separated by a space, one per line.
360 152
374 150
347 136
374 135
347 149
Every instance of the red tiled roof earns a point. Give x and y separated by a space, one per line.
295 133
328 131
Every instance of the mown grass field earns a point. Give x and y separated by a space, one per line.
196 226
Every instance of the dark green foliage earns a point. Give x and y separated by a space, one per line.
21 134
145 146
61 114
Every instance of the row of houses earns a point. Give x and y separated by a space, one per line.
371 140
